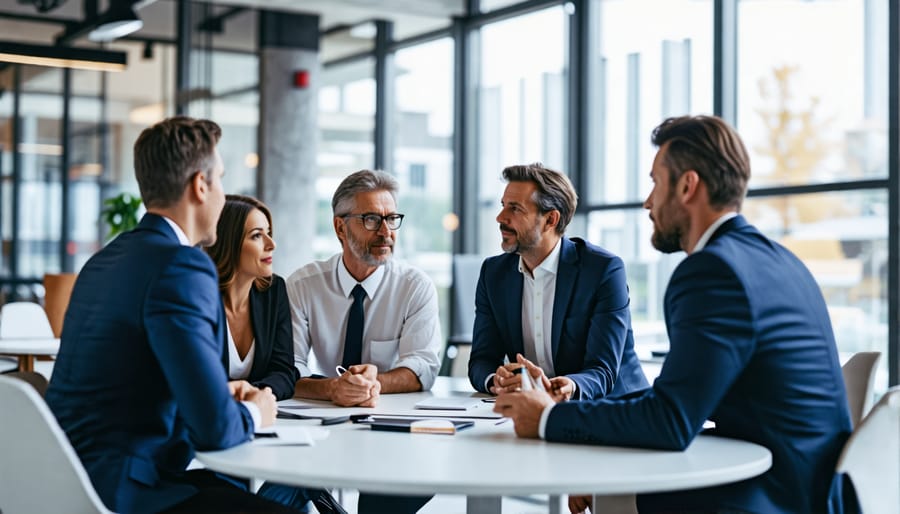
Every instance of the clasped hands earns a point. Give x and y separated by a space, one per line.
243 391
357 387
525 407
505 381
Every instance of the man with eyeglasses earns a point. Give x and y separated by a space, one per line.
361 296
371 324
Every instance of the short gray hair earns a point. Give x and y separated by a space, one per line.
363 181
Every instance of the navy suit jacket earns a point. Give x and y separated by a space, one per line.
592 340
752 349
138 384
273 354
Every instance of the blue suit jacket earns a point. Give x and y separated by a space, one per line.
592 340
138 383
273 354
752 350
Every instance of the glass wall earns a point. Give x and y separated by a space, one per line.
346 142
423 160
521 105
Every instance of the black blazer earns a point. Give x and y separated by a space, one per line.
273 361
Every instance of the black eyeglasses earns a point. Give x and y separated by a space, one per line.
373 221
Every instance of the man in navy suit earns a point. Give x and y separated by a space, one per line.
751 343
138 384
558 305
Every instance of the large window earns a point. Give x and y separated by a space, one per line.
423 159
346 144
660 67
522 105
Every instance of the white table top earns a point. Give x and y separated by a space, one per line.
40 346
486 460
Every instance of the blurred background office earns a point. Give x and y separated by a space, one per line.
444 94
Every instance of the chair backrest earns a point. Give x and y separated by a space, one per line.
871 457
57 291
24 320
466 269
41 472
859 375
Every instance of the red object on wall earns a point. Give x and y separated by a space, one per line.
301 79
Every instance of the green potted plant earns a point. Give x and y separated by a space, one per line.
120 213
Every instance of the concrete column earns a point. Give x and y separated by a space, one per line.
288 132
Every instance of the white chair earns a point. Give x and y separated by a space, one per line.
859 376
40 471
871 457
25 331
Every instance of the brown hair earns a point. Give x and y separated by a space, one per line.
709 146
168 154
554 190
226 253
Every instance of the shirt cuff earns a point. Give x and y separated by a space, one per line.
253 409
420 368
542 426
487 382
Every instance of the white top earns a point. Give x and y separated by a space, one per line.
402 326
538 293
239 369
441 464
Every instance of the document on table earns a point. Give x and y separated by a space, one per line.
283 435
449 403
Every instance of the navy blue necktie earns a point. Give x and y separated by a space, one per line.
353 339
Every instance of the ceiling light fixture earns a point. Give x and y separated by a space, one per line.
118 21
62 56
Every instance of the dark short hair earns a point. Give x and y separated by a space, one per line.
361 181
226 253
168 154
554 190
712 148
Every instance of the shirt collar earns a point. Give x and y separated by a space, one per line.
182 237
704 239
550 263
370 284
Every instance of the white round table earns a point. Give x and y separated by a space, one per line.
488 460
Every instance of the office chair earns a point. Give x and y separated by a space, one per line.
40 469
871 457
859 376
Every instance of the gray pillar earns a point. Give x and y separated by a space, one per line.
288 132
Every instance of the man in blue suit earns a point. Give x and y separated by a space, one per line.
558 305
751 343
138 384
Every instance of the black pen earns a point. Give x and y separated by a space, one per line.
265 434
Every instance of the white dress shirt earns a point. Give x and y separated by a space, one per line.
252 408
538 293
402 327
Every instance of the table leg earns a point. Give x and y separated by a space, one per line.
26 362
617 504
483 504
559 504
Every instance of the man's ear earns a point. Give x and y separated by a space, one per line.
552 219
688 186
340 227
198 186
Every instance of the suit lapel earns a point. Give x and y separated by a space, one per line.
511 287
260 334
566 276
